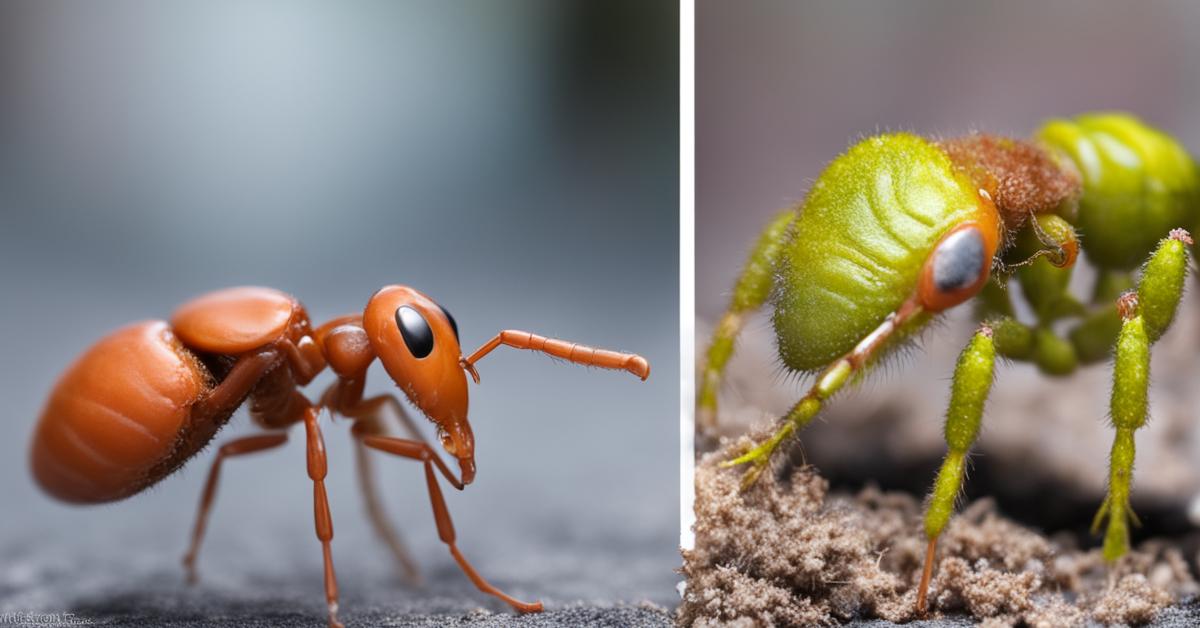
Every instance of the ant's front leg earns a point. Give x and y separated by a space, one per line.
969 391
345 398
344 340
370 424
423 452
829 382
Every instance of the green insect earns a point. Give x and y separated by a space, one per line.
900 228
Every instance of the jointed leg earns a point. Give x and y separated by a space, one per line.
828 382
423 452
1047 249
1145 316
317 468
969 391
345 398
1038 345
375 512
354 406
238 447
1131 379
751 291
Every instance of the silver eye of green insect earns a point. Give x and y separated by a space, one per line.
899 229
959 260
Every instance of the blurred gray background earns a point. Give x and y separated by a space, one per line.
784 87
516 161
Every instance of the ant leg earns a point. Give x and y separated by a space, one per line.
831 380
1039 345
749 293
969 391
1049 247
1160 288
1095 335
345 397
366 481
1145 316
423 452
238 447
1131 379
317 468
1089 342
213 411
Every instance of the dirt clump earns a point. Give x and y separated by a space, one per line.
785 552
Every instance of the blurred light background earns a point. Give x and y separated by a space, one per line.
784 87
516 161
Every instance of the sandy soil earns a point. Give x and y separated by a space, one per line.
788 552
793 552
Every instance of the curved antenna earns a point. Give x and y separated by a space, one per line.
566 350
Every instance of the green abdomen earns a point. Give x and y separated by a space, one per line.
859 243
1138 184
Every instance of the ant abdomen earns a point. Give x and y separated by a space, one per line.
115 422
1138 184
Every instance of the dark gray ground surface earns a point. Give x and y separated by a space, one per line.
273 578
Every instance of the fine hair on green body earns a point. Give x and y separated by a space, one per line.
859 241
1138 184
901 228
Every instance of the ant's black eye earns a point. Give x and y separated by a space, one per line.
453 323
418 337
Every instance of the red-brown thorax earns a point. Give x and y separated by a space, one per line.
1016 181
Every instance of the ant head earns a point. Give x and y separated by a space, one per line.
417 341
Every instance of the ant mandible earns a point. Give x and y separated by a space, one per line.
148 397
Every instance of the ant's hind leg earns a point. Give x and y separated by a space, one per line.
375 512
423 452
751 291
238 447
969 391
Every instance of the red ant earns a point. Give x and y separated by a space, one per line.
146 398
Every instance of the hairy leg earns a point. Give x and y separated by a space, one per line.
969 391
1146 315
237 447
829 382
751 291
